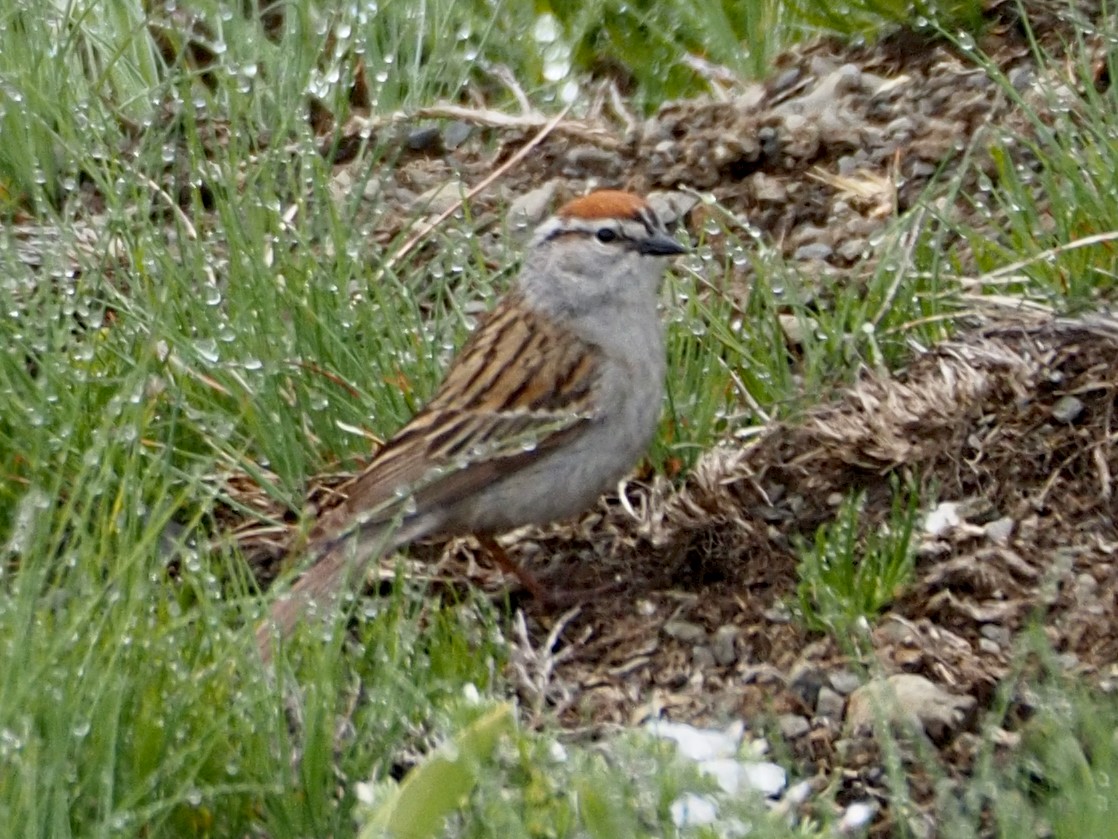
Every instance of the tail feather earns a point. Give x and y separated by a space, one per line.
339 562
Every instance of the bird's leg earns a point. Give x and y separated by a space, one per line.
506 564
541 592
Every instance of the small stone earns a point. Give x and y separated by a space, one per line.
1068 409
995 632
901 125
853 249
455 133
908 698
796 328
856 817
769 138
844 682
529 209
830 705
805 681
849 78
685 631
724 645
896 632
768 189
786 80
1020 78
814 250
1000 530
777 614
438 199
821 65
792 726
1086 587
989 647
1068 661
671 205
373 189
427 140
702 658
794 123
591 160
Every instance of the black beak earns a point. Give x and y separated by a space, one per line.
660 244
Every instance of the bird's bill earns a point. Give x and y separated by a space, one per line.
660 244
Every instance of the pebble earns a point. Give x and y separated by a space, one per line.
768 189
830 705
702 659
856 817
853 249
844 681
799 792
455 133
777 614
1068 409
805 679
786 80
716 754
815 250
671 205
1086 587
724 645
796 328
996 633
792 726
529 209
427 139
901 125
685 631
1000 530
907 698
591 160
942 519
1020 78
439 199
848 165
989 647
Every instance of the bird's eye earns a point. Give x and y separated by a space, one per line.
607 234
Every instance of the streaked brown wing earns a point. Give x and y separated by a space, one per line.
519 386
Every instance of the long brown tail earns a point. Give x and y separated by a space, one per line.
340 563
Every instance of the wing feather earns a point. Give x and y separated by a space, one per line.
519 387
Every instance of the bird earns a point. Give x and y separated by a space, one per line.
551 400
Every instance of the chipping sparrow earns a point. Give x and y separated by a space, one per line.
551 400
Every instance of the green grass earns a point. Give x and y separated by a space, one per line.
871 18
850 573
255 338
